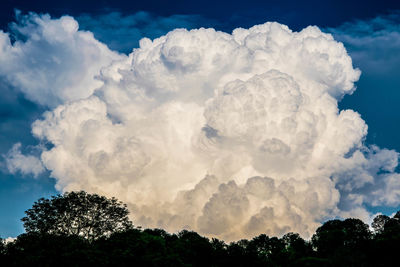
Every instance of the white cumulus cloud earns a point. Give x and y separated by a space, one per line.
16 161
51 61
230 135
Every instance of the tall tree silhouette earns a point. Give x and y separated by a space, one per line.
379 223
77 213
344 243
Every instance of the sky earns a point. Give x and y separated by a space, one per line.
230 130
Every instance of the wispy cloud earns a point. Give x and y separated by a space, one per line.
17 162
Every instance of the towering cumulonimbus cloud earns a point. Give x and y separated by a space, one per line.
230 135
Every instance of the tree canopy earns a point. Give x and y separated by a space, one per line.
80 229
77 213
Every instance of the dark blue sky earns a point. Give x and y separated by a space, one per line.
377 98
296 14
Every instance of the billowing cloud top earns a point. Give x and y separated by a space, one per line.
52 62
230 135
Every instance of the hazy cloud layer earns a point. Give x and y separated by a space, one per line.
231 135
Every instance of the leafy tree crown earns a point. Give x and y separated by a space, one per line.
77 213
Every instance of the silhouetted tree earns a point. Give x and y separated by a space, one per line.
344 243
387 242
378 224
80 229
77 213
193 249
220 253
238 254
135 248
2 250
296 248
37 249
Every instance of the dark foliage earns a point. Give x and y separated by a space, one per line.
387 242
2 250
343 242
35 249
336 243
77 213
379 223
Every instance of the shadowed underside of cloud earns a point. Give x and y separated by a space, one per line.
231 135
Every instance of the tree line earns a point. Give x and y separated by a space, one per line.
81 229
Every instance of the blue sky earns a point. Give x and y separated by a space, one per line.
370 32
